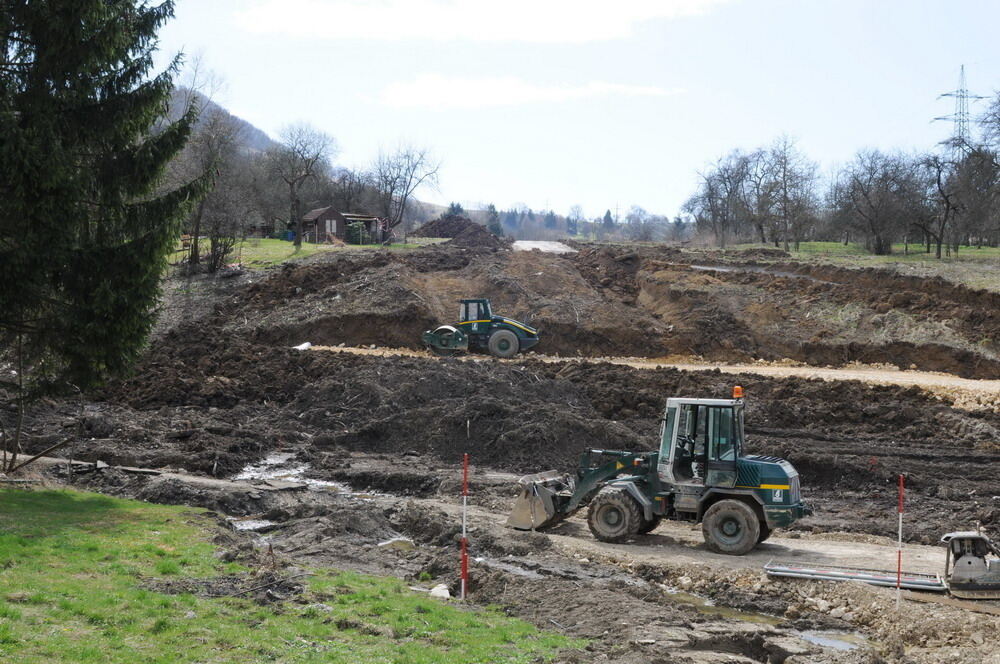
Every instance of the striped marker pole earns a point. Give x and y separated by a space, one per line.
465 541
899 546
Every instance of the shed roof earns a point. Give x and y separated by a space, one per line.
313 215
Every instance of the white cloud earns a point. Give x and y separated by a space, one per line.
439 92
473 20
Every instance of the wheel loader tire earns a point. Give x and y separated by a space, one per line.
649 526
731 527
614 515
503 343
765 532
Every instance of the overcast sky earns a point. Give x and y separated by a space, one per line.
552 103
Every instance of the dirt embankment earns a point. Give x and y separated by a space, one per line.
644 302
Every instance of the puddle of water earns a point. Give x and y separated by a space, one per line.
272 467
279 466
706 606
835 640
400 543
251 524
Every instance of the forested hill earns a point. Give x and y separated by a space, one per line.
251 136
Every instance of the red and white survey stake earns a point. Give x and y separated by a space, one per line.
899 545
465 540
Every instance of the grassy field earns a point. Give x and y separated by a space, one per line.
258 253
71 571
971 266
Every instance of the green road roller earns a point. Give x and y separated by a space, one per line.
478 328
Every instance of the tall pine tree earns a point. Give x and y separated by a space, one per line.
84 229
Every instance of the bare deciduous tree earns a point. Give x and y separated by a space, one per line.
213 149
397 175
793 189
871 193
304 153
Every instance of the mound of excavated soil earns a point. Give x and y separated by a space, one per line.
475 235
445 226
463 232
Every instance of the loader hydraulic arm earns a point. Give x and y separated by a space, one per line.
589 478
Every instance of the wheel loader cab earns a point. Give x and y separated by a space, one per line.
701 440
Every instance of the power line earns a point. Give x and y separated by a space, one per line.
961 138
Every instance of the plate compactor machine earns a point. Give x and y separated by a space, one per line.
699 474
479 328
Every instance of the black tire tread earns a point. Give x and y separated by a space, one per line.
620 498
735 508
494 344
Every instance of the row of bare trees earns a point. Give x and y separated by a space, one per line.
262 186
940 199
767 195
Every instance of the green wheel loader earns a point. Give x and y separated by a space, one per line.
478 328
699 474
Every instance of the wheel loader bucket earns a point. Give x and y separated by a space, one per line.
537 504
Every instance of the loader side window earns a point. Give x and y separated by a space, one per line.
723 434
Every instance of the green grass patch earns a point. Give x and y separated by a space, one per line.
975 267
266 252
71 571
853 249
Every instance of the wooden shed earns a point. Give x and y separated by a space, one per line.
325 224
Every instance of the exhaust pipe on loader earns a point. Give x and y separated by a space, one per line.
539 502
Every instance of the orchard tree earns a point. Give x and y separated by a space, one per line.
214 149
85 229
872 196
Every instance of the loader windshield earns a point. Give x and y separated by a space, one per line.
707 434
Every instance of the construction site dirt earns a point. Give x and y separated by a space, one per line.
369 445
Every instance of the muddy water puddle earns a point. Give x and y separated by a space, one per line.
251 524
835 640
282 466
708 607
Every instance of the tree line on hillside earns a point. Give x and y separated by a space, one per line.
939 199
